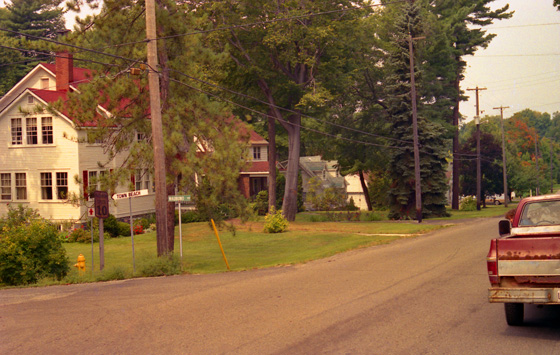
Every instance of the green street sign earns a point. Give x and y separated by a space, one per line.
179 198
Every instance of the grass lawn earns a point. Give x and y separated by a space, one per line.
247 248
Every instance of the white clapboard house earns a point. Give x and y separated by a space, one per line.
42 153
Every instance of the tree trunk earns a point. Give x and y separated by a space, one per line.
271 162
289 206
365 190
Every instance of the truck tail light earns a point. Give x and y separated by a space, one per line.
492 263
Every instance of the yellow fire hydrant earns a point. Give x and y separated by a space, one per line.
81 264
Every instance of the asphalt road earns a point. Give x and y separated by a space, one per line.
424 295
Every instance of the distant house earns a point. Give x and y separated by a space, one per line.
254 178
42 153
327 171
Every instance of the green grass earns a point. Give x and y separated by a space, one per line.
247 248
488 211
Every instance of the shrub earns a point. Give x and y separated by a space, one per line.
124 229
468 204
30 252
274 222
18 216
111 226
81 236
261 203
158 266
189 216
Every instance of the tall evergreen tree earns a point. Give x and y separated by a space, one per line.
430 133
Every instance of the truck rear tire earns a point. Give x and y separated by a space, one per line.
514 313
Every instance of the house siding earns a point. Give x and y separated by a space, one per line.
60 156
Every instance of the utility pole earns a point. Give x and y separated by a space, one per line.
157 131
501 108
415 131
478 171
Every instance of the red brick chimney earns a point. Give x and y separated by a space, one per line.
64 70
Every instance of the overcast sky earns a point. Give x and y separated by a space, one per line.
521 66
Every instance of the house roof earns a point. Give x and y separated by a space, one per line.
256 167
80 75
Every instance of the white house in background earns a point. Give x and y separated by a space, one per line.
327 171
41 153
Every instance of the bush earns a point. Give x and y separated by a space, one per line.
111 226
80 235
149 266
124 229
261 203
275 222
189 216
31 252
468 204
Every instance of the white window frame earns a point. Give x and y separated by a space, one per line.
61 185
20 188
46 186
5 186
256 153
32 131
17 131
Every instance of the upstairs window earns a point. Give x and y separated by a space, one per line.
256 153
31 129
45 83
47 130
17 131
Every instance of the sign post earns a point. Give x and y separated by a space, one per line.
101 207
179 199
130 195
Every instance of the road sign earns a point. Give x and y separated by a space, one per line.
101 204
130 194
179 198
91 212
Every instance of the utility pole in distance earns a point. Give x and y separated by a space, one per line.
501 108
417 185
478 172
157 131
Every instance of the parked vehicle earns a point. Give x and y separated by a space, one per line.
495 200
524 262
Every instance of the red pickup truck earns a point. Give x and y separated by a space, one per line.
524 263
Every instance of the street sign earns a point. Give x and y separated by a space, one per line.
91 212
179 198
101 204
129 194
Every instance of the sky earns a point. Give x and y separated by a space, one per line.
521 66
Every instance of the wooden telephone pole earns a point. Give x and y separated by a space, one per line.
157 131
506 196
478 171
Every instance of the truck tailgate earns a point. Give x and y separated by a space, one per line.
530 257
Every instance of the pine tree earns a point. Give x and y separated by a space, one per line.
431 133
